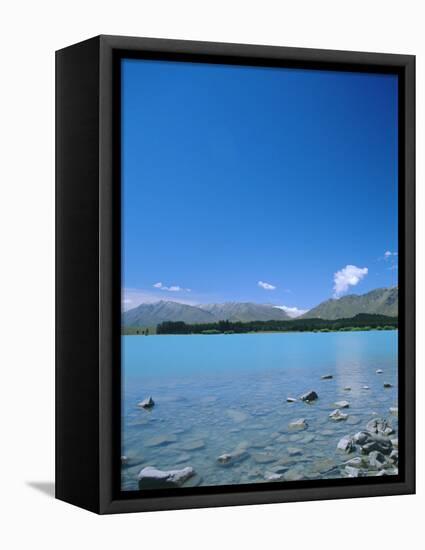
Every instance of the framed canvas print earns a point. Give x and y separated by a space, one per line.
235 274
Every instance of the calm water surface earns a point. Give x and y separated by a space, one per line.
217 393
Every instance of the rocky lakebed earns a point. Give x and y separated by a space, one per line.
261 428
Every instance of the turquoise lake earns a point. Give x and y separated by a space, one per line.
217 393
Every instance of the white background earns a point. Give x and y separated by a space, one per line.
30 32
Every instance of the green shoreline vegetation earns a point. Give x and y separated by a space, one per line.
360 322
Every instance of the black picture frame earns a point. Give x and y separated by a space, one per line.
88 292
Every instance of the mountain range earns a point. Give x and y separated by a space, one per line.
382 301
149 315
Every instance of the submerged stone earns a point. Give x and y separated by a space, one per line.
160 440
299 424
228 459
342 404
194 445
263 458
152 478
293 475
294 451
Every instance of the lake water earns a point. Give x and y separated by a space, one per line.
217 393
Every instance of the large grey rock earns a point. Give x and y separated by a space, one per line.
361 438
351 471
152 478
356 462
379 426
299 424
309 396
382 446
147 403
337 415
346 444
394 456
377 460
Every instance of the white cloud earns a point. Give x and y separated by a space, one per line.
292 311
348 276
172 288
266 286
388 254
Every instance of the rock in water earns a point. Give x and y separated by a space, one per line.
160 440
291 399
146 403
299 424
379 371
394 411
228 459
366 388
377 459
347 388
274 477
326 377
387 385
379 426
152 478
309 396
294 451
356 462
353 472
345 444
337 415
361 438
342 404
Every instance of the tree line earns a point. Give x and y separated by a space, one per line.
362 321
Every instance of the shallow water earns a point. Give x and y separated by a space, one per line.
216 393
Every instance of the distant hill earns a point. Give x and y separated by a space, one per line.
382 301
149 315
245 311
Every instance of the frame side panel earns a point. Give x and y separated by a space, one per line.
77 274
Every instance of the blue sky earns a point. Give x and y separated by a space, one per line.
256 184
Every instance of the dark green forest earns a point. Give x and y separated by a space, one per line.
362 321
